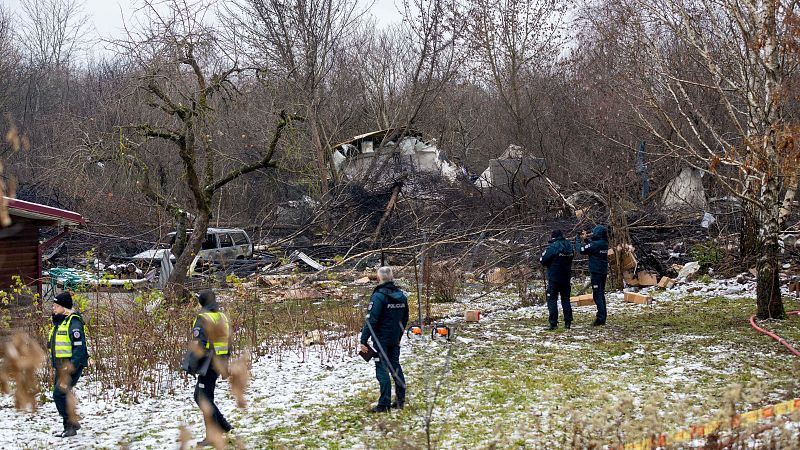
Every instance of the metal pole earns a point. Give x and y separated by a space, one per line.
419 296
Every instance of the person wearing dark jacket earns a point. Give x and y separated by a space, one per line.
211 335
385 323
596 246
558 261
69 356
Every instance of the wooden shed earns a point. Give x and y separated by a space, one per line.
20 249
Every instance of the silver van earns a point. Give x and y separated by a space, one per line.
222 244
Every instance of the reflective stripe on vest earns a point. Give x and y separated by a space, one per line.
62 344
220 323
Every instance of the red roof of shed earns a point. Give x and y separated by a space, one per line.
37 211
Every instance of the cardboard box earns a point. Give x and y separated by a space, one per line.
630 279
582 300
635 297
795 287
646 279
472 315
627 257
666 283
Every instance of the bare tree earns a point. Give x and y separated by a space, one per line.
513 42
414 63
685 56
300 44
51 31
9 58
187 85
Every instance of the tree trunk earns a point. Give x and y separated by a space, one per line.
180 235
768 288
748 236
176 286
389 208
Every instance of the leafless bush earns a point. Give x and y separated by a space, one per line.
446 281
137 339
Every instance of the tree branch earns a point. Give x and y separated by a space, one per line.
284 121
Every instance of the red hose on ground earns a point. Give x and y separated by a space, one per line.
775 336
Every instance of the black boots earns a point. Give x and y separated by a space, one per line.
68 432
226 426
70 429
379 409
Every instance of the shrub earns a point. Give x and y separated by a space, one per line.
708 255
447 281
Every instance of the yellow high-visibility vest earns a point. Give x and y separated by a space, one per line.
63 343
220 322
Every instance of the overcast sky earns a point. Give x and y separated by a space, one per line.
106 16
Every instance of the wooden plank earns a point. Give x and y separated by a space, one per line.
18 262
15 244
11 271
9 274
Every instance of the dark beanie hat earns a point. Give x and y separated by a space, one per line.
556 234
64 299
206 297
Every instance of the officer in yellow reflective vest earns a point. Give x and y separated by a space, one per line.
211 332
68 353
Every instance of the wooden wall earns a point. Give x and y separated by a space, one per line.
19 252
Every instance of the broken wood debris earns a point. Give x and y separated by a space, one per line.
303 294
297 255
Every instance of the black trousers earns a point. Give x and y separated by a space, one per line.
553 291
60 395
387 370
204 389
599 294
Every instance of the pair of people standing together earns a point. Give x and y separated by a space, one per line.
208 359
557 258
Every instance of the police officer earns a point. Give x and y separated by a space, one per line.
211 334
68 353
596 246
385 323
558 261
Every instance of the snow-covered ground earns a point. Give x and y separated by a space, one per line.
291 387
545 378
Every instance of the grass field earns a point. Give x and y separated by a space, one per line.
510 383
